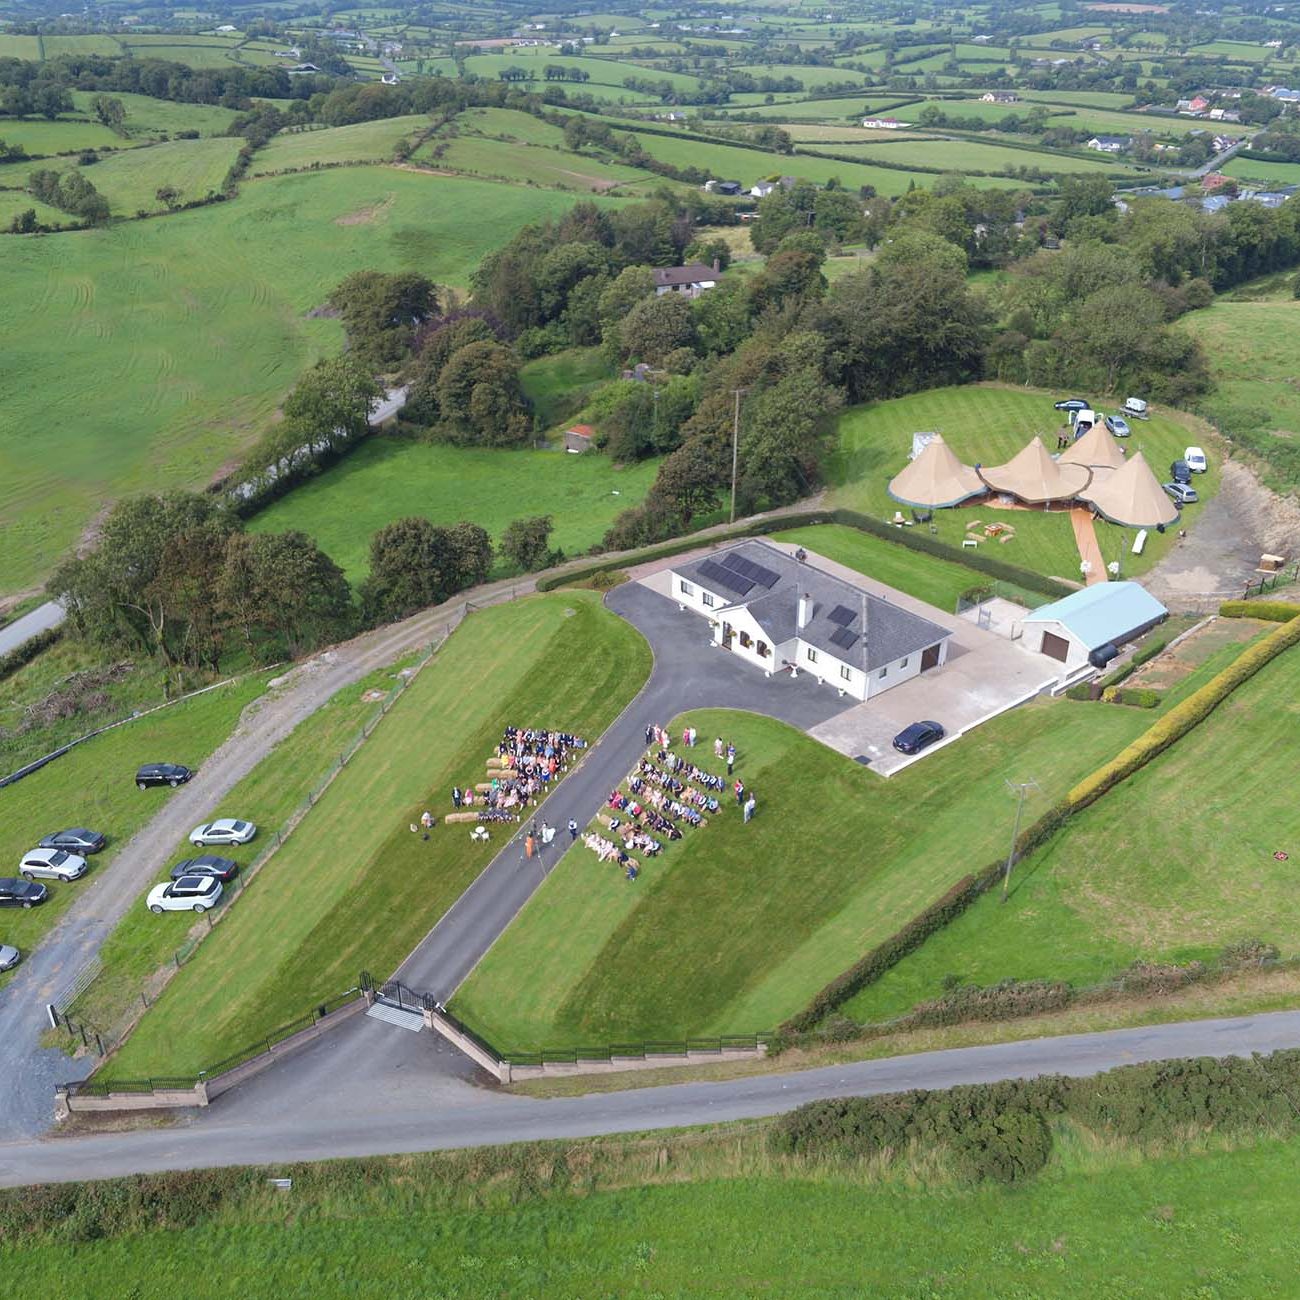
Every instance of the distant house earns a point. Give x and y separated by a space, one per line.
1215 202
1000 97
1212 181
1195 106
762 189
731 188
302 69
1110 143
578 438
390 78
670 117
882 124
227 27
691 280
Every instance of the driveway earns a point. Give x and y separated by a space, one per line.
407 1113
38 620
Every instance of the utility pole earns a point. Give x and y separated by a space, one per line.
1021 789
735 448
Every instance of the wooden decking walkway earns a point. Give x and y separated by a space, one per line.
1085 537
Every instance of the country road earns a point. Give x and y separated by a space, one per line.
415 1113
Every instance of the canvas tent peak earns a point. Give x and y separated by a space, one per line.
935 479
1096 449
1034 477
1132 497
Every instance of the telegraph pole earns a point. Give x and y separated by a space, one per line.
1021 789
735 448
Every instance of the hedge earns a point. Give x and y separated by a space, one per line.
1145 655
1271 611
1139 697
21 656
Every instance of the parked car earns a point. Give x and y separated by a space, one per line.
1181 493
172 774
75 841
1136 409
920 735
21 893
9 956
1073 404
1082 421
188 894
52 864
1196 461
1118 426
225 830
1180 472
208 865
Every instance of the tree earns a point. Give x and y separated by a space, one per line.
789 274
413 563
381 312
722 317
655 327
480 398
333 399
632 285
525 542
168 195
472 549
437 346
784 428
109 111
687 484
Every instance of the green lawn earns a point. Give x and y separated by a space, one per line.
64 135
94 786
558 385
352 889
987 424
142 942
1120 883
1252 357
363 142
534 164
1268 173
735 927
155 317
391 478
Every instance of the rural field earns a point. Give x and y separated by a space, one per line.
364 142
94 786
974 156
987 424
375 889
734 928
388 478
156 316
1113 887
63 135
130 179
530 164
1267 173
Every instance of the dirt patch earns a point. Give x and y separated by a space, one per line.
366 216
1168 669
325 311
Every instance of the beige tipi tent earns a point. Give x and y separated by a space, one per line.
936 478
1132 497
1096 449
1033 476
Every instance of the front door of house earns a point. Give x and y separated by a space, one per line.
727 633
930 658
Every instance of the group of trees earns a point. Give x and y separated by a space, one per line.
381 313
70 192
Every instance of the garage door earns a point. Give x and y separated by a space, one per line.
930 658
1055 647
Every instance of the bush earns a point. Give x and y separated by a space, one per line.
1138 697
1272 611
22 655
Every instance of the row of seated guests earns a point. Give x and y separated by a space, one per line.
606 850
648 774
497 815
504 792
635 808
634 838
531 750
680 766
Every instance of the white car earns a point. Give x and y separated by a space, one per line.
1196 461
188 894
9 956
225 830
52 864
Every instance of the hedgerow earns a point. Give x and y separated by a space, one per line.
1272 611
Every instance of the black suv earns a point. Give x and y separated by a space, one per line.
22 893
1180 471
172 774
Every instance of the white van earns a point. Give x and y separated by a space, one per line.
1137 408
1082 421
1196 461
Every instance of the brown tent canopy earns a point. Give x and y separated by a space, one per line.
1097 449
1033 476
936 478
1132 497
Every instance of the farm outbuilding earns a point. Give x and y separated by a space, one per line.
1093 620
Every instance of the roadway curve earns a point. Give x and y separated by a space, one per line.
409 1113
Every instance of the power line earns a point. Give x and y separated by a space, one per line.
1022 789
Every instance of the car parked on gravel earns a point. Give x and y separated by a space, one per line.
9 956
21 893
225 830
78 840
172 774
188 894
209 864
52 864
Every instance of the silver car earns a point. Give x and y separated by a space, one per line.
52 864
9 956
225 830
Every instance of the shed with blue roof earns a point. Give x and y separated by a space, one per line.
1106 614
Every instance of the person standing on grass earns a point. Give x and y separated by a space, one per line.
740 792
717 748
731 758
455 795
750 804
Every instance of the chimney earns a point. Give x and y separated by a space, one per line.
805 610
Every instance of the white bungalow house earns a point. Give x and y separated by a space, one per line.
690 280
778 613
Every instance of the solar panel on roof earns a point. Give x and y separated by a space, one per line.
725 578
844 638
748 569
842 615
765 577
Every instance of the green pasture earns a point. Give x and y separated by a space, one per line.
353 889
557 385
1082 98
603 72
811 75
531 164
156 316
818 110
64 135
14 202
1252 356
94 785
19 47
510 124
735 927
143 943
975 156
1115 886
362 142
131 178
986 424
1270 173
148 116
192 55
391 478
1105 122
56 43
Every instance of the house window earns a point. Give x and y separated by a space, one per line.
686 588
903 664
746 640
883 673
846 673
763 650
707 599
811 654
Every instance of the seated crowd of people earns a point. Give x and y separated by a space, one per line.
680 766
539 753
648 774
527 760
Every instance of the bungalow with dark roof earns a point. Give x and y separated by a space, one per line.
691 280
778 613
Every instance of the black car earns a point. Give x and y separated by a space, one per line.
1180 471
207 865
1073 404
22 893
172 774
78 840
913 739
